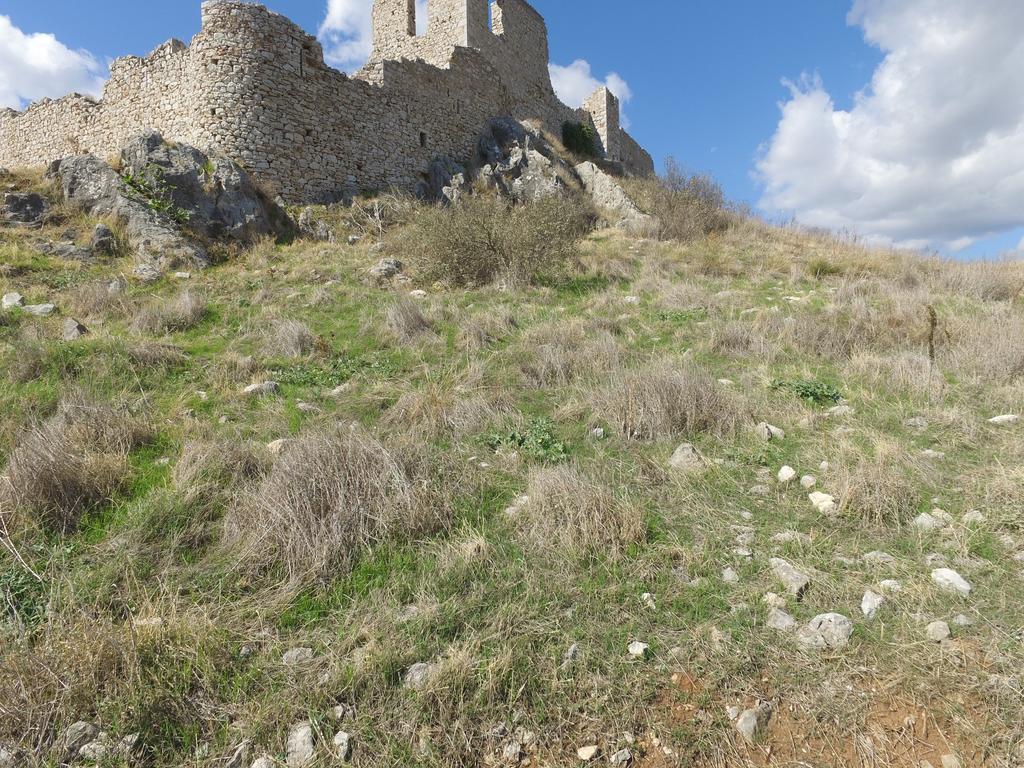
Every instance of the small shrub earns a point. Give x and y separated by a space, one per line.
561 352
538 441
687 207
579 138
881 490
822 268
289 338
184 311
811 390
666 402
326 499
575 513
406 322
70 464
485 239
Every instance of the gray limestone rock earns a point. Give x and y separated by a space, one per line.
24 209
609 195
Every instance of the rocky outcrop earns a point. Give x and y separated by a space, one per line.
24 210
170 198
609 196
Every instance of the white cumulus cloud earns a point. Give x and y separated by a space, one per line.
347 31
34 66
931 153
575 82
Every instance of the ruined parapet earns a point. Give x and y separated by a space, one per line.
254 86
603 106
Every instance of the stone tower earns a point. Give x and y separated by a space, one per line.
464 23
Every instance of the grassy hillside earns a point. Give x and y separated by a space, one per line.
477 479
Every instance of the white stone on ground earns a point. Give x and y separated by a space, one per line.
827 630
588 753
963 620
685 458
418 675
870 604
729 576
638 650
621 758
786 475
937 631
752 722
880 558
343 745
768 432
974 517
263 762
841 411
823 502
40 310
808 481
927 522
13 299
648 600
793 579
300 749
951 581
1006 419
297 656
773 601
261 389
890 586
779 620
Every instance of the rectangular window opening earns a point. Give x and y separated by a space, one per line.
423 138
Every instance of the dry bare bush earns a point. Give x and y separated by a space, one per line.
687 207
573 512
985 280
285 337
908 373
560 352
882 489
486 239
100 299
326 499
446 406
747 338
213 468
406 322
665 401
987 346
184 311
70 464
482 329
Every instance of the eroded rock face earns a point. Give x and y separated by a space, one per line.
217 194
171 195
609 195
97 189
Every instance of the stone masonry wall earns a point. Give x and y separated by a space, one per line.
254 86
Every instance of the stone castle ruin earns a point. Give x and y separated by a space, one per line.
254 86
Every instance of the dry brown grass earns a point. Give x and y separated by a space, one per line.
560 352
883 489
447 405
213 468
988 347
184 311
667 401
485 239
576 513
686 207
99 300
483 329
70 464
284 337
325 500
406 322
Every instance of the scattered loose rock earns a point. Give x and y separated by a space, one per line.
951 581
418 675
588 753
890 586
623 757
301 748
926 522
262 389
786 475
729 576
880 558
40 310
780 620
808 481
638 650
791 537
828 630
73 330
343 745
297 656
870 604
823 502
1005 420
767 432
937 631
686 459
752 722
795 580
12 300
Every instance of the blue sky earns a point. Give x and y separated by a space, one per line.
707 85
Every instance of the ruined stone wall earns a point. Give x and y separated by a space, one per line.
254 86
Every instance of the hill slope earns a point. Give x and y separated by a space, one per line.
445 524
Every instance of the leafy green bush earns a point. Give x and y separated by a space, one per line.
580 139
484 239
812 390
538 441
